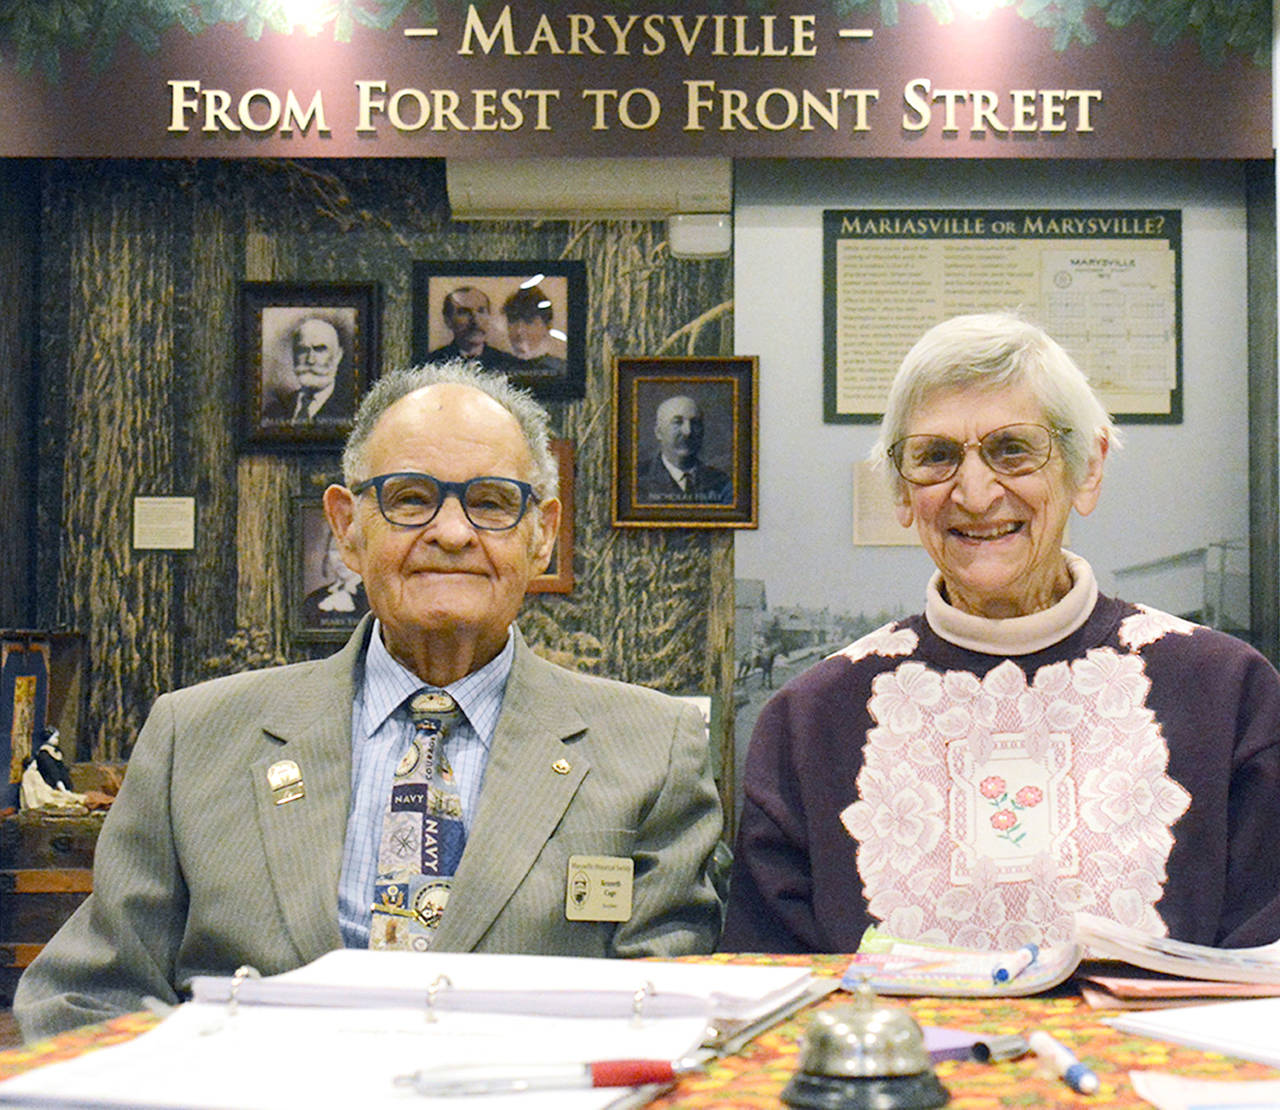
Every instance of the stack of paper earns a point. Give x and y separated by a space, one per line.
1155 992
1175 957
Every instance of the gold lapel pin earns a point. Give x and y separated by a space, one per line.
561 767
285 780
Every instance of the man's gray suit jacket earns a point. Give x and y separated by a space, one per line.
198 870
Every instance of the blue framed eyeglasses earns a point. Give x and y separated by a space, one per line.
410 500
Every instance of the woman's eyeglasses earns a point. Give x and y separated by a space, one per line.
1012 450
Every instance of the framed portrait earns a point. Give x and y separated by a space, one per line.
684 442
525 319
24 701
328 598
558 577
307 353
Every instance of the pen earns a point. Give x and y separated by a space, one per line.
1016 964
990 1048
1073 1073
484 1079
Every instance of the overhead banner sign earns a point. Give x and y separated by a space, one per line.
830 78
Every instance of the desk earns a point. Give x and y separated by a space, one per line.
755 1078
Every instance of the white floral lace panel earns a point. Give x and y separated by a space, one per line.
990 810
1147 625
888 639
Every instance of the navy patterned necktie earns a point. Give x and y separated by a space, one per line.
422 832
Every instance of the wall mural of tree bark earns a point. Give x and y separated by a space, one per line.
120 405
140 269
205 357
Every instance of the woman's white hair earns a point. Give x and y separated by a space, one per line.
995 350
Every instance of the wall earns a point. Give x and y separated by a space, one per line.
140 266
1172 489
18 268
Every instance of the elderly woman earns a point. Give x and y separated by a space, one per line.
1026 747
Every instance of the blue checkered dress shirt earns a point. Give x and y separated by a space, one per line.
380 733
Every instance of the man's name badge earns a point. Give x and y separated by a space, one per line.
285 780
598 888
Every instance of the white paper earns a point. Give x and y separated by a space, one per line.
268 1057
164 523
1249 1029
1174 1092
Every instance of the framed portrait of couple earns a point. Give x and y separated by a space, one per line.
526 319
684 442
307 353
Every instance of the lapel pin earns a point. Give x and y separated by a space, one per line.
561 767
285 780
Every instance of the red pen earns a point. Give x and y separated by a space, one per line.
485 1079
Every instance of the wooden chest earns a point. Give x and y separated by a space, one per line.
46 871
33 905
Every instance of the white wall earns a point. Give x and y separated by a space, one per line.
1172 489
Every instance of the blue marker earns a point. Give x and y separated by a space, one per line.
1016 964
1063 1061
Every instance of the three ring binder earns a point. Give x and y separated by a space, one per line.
638 1000
243 972
439 983
356 1018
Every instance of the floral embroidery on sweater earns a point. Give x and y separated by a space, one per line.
888 640
1148 625
990 810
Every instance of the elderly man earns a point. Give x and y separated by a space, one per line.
317 357
467 312
432 785
677 473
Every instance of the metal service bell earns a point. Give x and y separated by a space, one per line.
864 1056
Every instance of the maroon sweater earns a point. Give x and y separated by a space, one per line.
1130 770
